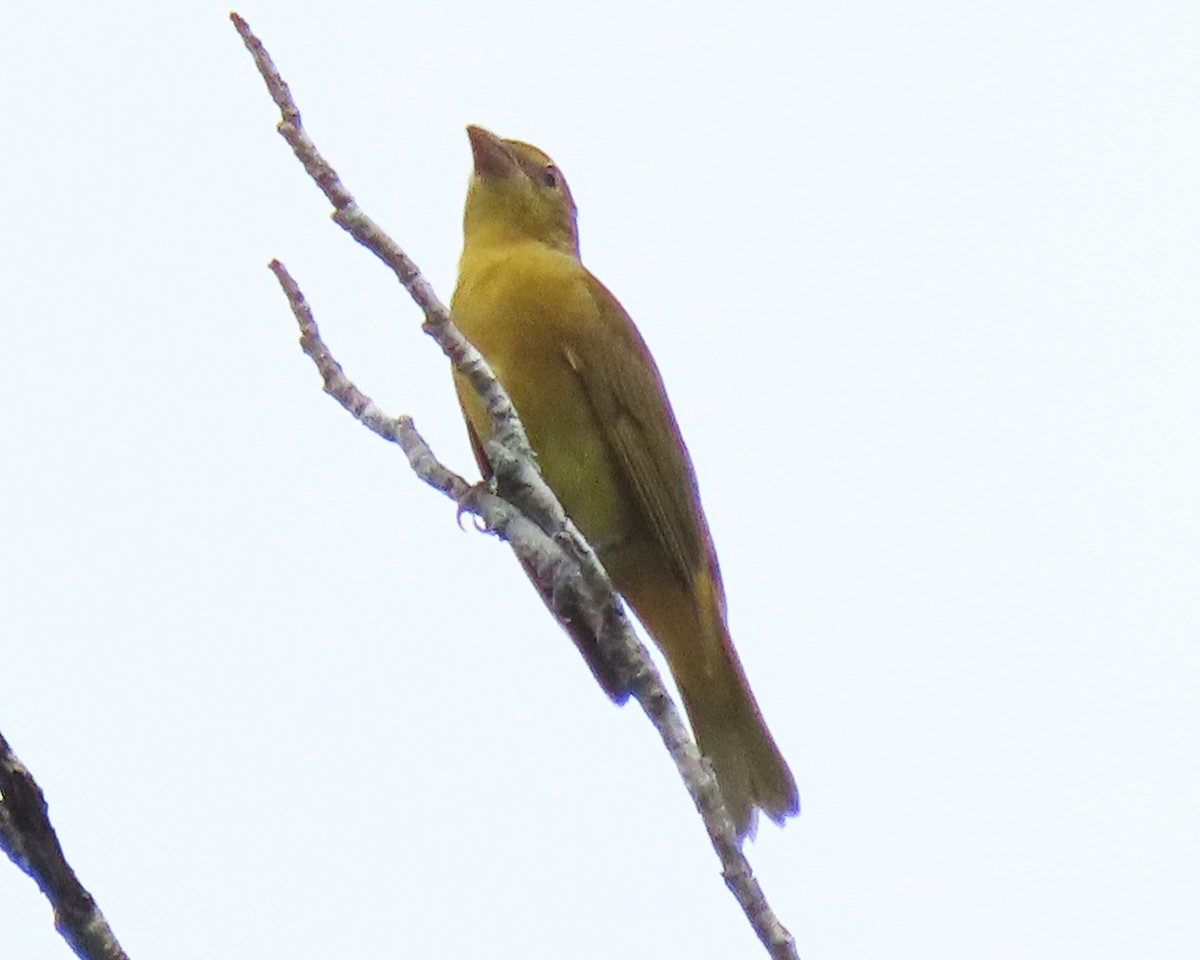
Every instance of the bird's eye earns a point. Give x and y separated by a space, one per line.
550 175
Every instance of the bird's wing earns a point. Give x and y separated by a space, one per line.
624 388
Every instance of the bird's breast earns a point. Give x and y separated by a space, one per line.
526 311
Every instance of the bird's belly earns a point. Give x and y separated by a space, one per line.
523 311
572 454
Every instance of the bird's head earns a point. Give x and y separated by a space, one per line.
517 191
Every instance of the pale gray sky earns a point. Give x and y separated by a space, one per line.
922 281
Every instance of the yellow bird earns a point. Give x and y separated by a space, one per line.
593 404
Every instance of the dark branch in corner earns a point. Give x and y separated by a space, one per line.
31 843
524 512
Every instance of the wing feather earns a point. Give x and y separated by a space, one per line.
625 390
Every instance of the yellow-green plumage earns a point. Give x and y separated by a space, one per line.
592 402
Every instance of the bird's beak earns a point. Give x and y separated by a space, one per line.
492 156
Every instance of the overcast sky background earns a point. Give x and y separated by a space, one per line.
922 281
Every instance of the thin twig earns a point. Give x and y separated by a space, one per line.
561 562
28 838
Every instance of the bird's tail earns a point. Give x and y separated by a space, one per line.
730 731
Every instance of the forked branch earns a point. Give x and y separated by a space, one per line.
524 512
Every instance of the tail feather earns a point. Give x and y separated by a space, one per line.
749 768
688 624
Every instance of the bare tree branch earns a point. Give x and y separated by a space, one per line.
31 843
524 512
